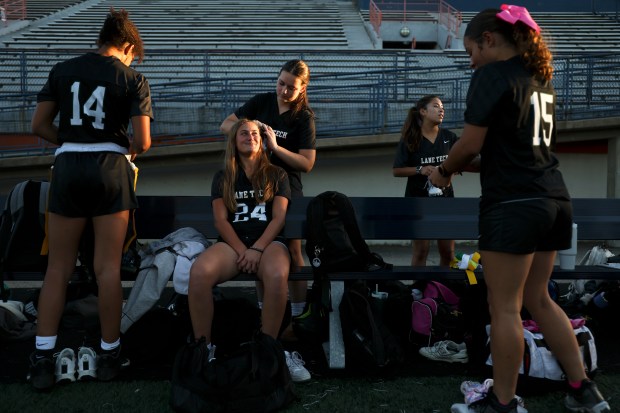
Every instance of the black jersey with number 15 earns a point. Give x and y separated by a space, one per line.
516 159
96 97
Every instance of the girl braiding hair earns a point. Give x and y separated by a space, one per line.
526 37
262 177
299 69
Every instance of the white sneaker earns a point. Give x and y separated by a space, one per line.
65 366
446 351
87 363
299 374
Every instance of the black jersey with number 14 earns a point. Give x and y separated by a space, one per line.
96 97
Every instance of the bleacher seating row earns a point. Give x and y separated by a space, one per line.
37 9
250 25
193 90
164 66
182 24
272 24
575 32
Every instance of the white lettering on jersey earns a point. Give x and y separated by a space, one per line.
280 134
247 194
93 106
431 160
543 121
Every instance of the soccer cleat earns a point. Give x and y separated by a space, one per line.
488 404
87 364
446 351
41 373
65 366
109 364
299 374
587 399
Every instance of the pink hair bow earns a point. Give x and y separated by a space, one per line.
513 14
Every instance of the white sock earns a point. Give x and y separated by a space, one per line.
45 343
297 308
110 346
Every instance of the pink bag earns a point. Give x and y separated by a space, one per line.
436 315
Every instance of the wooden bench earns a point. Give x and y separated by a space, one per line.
383 218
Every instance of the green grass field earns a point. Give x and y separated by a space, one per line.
428 394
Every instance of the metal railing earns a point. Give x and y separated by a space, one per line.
404 11
13 10
347 102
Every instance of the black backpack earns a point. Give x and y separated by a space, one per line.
250 379
333 243
22 230
333 238
369 343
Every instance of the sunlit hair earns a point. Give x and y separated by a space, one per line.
411 132
264 178
530 45
118 29
300 70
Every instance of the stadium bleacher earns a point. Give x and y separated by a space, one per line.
575 32
205 57
37 9
186 24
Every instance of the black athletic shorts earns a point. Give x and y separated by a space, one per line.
89 184
526 226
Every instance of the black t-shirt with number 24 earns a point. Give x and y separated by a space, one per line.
251 218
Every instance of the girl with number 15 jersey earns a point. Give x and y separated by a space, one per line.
525 209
